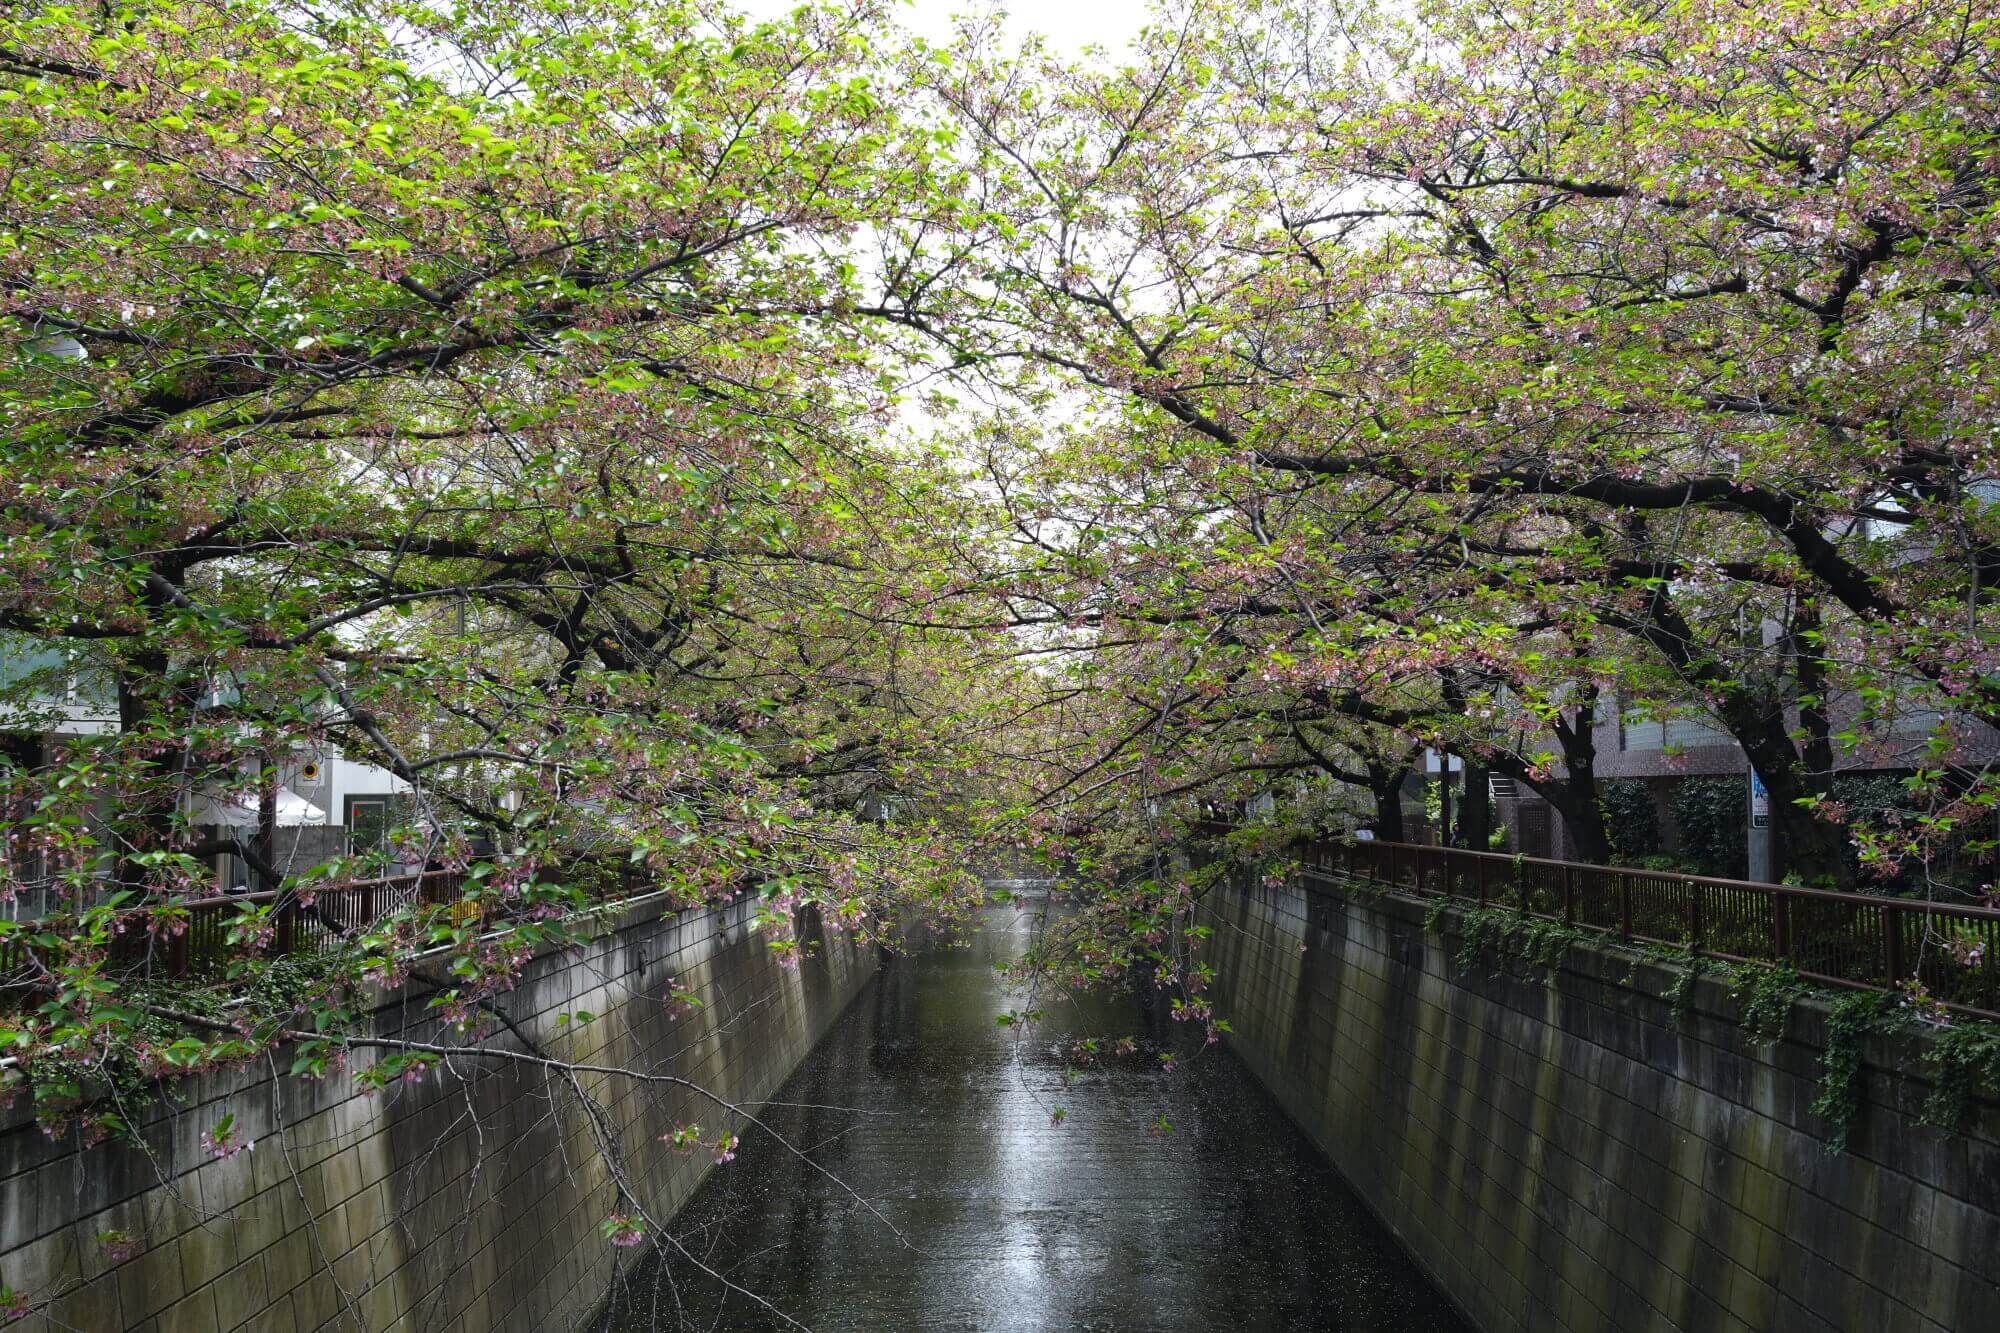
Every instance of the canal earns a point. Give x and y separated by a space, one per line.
1012 1218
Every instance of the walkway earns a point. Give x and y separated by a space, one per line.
1230 1222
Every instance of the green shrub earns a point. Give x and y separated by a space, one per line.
1630 818
1714 819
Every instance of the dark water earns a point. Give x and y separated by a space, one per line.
1231 1221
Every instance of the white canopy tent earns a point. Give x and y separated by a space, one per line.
240 811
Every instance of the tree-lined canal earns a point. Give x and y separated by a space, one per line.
1015 1219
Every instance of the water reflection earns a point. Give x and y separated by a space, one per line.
1232 1221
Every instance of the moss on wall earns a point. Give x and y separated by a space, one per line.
1561 1151
464 1202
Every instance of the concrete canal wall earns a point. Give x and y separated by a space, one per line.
1561 1150
469 1200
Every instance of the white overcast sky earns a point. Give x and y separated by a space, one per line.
1069 24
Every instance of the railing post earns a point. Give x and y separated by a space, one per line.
1781 926
287 915
1694 918
1892 942
1481 880
1569 895
1624 906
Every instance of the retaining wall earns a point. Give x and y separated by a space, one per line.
1561 1152
470 1200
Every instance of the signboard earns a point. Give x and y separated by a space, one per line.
1760 802
1450 762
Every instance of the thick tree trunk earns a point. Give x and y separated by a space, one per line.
1573 797
1576 796
1585 820
1803 844
1387 785
1475 810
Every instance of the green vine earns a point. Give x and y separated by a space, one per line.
1767 995
1964 1061
1499 932
92 1088
1549 943
1481 930
1839 1101
1680 994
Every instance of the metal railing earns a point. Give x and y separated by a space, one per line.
1842 939
301 923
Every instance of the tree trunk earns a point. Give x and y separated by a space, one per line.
267 818
1387 785
1573 797
1802 843
1475 810
1576 796
1585 820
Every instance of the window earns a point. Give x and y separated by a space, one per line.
371 819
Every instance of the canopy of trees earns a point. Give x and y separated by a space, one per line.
655 437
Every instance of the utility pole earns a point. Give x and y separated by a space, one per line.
1759 835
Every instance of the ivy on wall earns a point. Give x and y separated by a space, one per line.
1963 1061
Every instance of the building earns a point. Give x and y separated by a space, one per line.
325 803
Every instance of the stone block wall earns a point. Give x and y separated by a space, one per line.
469 1200
1563 1151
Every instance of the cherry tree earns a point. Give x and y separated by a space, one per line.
487 393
